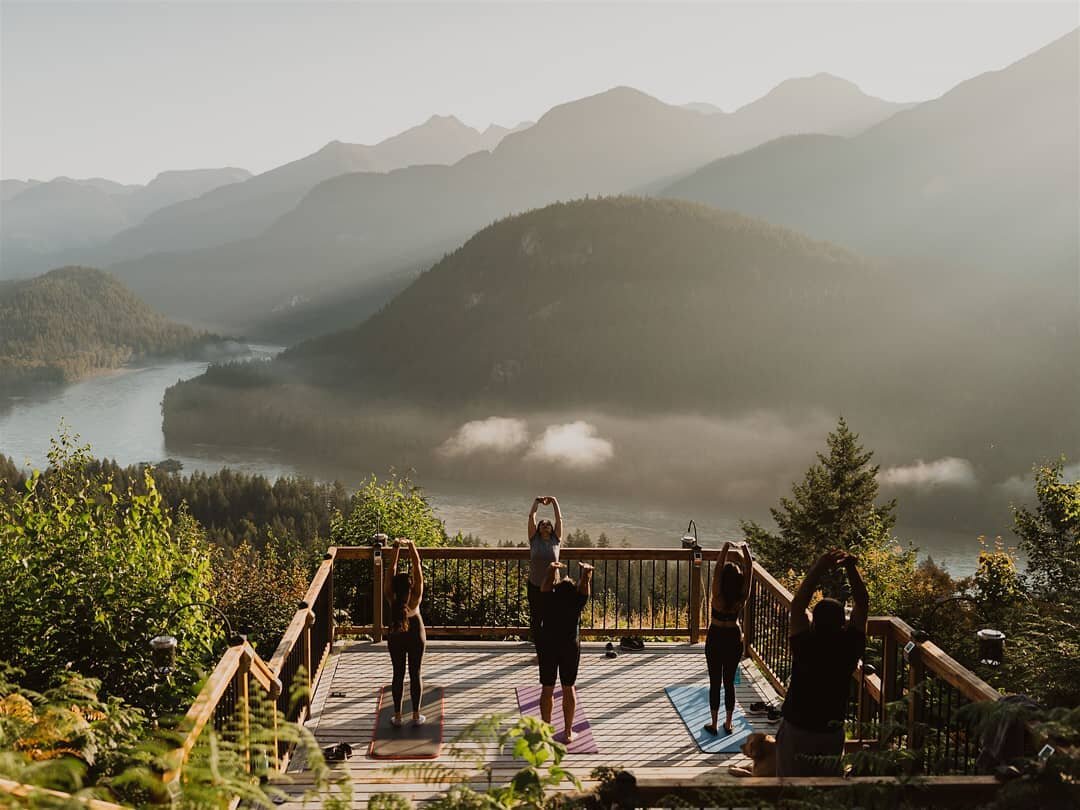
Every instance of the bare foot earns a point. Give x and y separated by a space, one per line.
569 736
710 728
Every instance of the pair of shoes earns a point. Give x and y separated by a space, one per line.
631 643
609 651
771 710
337 753
761 707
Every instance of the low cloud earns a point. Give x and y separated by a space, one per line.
495 434
924 475
574 444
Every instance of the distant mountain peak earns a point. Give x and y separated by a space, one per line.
809 88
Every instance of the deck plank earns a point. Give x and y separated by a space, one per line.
633 721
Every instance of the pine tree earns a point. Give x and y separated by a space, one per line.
833 507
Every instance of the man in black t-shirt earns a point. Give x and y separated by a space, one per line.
559 647
824 653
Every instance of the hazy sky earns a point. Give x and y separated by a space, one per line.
125 90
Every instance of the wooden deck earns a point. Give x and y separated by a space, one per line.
633 721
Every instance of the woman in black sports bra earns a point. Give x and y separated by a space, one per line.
724 642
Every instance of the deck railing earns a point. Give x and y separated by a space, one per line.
480 593
900 699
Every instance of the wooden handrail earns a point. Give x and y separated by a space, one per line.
202 710
23 791
289 638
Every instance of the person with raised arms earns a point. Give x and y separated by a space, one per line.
724 641
544 540
407 638
824 653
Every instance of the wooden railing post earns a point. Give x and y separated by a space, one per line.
309 674
243 671
696 591
330 599
377 595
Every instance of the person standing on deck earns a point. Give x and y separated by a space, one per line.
544 539
407 638
824 653
559 644
724 642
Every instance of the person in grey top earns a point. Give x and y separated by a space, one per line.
544 540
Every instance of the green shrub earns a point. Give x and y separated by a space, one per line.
89 574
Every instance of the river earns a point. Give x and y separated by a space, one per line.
119 416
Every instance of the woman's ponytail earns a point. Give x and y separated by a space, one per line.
400 590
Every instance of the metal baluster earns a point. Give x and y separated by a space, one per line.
605 594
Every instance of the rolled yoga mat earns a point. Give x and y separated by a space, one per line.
408 741
528 698
692 704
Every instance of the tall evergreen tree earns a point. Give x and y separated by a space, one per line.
833 507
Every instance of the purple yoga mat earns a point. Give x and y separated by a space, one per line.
528 698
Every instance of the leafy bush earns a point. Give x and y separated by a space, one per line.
258 590
394 507
89 574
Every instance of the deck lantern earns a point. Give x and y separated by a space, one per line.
991 647
163 654
163 645
991 642
690 541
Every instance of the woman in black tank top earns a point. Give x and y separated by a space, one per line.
407 638
724 642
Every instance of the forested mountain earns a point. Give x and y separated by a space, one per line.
356 229
637 306
244 209
75 321
42 220
984 177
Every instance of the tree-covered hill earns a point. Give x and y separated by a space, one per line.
73 322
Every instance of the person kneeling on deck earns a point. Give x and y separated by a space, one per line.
825 651
559 649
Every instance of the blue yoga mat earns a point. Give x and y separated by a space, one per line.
692 704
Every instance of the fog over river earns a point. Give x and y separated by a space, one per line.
119 416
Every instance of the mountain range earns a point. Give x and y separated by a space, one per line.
182 210
357 231
43 220
984 177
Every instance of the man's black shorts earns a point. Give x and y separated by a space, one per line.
559 660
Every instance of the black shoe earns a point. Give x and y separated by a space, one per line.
609 651
337 753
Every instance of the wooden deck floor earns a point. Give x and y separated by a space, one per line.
633 721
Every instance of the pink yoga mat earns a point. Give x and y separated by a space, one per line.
528 698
